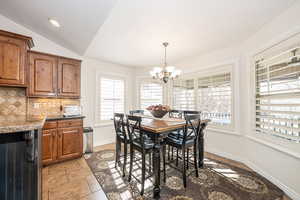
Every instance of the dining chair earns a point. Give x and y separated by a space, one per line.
121 137
133 112
189 140
176 133
140 142
175 114
191 112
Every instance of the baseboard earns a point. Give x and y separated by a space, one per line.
288 191
103 142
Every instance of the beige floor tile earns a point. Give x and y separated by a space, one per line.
93 183
100 195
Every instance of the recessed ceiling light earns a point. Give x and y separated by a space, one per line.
54 22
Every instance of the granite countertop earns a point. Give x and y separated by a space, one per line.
61 117
29 122
21 123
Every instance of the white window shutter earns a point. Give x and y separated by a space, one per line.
150 94
215 97
277 96
112 98
183 95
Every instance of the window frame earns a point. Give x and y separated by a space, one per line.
221 68
99 121
141 81
266 138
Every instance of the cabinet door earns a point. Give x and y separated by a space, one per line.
43 75
49 154
69 78
69 142
12 61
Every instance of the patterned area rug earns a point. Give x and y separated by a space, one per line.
216 181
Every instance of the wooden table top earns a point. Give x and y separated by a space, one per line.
162 125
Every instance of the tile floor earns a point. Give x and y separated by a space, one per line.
73 180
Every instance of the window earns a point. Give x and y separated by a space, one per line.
112 97
183 95
215 97
150 94
277 94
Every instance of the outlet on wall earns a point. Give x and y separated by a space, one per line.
36 105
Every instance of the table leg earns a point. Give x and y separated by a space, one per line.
156 168
201 151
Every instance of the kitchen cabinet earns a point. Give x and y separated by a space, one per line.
62 140
68 78
13 49
69 144
43 75
53 76
49 146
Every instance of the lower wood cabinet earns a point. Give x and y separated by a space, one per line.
49 146
62 140
69 146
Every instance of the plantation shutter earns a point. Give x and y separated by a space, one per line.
150 94
183 95
112 98
278 94
215 97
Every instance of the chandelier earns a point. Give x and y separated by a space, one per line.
166 72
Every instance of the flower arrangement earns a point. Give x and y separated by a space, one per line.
158 110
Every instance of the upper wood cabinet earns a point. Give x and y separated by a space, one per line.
69 77
13 48
53 76
42 75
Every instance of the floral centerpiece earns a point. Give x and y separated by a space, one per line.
158 111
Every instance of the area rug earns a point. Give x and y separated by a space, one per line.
216 181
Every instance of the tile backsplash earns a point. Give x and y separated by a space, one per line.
48 106
13 102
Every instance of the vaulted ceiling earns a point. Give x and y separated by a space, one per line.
130 32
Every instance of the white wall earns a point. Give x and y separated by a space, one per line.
276 159
89 68
103 132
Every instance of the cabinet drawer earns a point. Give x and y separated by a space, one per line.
50 125
70 123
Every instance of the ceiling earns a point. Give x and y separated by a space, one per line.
131 32
79 19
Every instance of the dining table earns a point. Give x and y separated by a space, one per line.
158 129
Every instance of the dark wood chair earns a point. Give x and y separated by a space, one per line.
133 112
175 114
140 142
191 112
201 144
176 134
121 137
188 140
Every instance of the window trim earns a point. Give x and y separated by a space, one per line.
98 121
225 67
285 146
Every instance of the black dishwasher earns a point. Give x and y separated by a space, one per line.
20 166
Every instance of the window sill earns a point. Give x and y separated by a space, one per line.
224 131
270 142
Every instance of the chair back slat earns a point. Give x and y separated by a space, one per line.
133 112
191 112
192 127
119 124
134 130
175 114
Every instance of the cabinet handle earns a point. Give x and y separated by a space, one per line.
53 135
